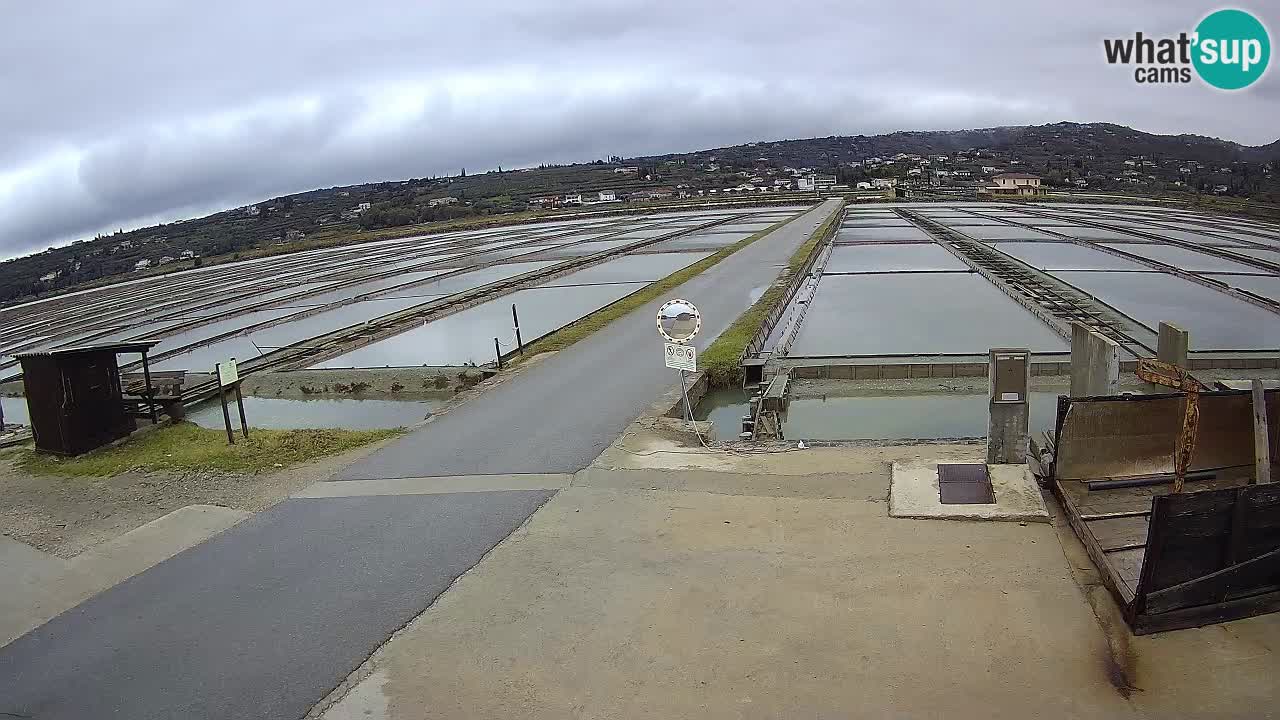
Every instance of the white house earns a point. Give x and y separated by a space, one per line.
165 260
804 182
142 264
1013 184
884 183
864 185
438 202
627 170
607 196
573 199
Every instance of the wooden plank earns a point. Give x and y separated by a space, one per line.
1122 548
1237 543
1204 590
1115 515
1122 592
1206 614
1261 440
1120 532
1128 564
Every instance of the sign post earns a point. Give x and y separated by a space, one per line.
679 321
229 379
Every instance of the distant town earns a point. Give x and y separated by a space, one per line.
991 163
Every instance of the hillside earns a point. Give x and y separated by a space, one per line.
1099 156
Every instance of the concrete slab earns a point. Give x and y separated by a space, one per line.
660 604
913 493
55 590
28 575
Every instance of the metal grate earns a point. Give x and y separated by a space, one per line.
968 484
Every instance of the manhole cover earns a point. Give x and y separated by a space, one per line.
965 485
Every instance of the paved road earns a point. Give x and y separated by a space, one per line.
265 619
261 621
565 411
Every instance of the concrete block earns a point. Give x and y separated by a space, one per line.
866 372
893 372
1095 363
913 493
920 371
1173 344
841 372
806 373
971 370
944 370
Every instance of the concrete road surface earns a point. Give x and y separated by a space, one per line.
565 411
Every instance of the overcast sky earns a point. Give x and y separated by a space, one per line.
126 112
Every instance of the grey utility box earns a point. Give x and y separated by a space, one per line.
1009 373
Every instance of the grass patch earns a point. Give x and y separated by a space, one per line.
573 332
185 446
722 362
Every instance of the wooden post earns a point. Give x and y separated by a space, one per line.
244 426
497 351
226 416
516 319
1261 438
150 393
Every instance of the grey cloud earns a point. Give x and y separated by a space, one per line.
137 110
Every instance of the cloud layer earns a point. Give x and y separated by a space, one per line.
123 113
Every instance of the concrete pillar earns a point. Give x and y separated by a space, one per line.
1009 374
1173 344
1095 362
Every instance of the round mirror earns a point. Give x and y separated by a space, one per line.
679 320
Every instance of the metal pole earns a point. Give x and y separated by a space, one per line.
497 350
684 391
226 416
244 426
516 319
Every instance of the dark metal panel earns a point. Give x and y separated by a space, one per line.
965 484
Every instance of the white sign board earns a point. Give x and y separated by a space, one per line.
681 357
228 373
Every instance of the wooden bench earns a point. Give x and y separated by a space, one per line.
166 385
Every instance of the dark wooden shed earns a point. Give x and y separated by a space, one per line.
75 398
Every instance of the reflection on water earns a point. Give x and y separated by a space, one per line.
874 417
15 411
291 414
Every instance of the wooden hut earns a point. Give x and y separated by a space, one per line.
75 398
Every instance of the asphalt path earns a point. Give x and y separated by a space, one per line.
562 413
262 620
